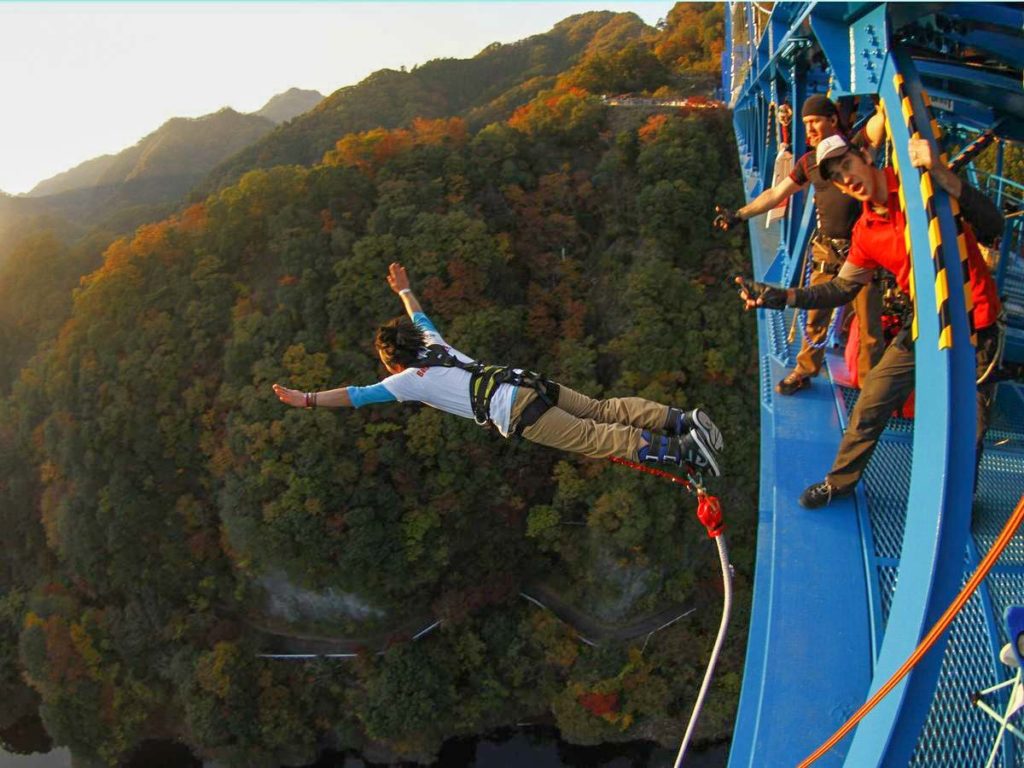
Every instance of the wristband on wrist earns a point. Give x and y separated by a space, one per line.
309 399
404 291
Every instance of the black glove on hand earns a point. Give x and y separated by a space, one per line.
768 296
726 219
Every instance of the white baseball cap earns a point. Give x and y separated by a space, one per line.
833 146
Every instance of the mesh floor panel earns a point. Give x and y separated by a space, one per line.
887 484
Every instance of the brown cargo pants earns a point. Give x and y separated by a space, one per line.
594 428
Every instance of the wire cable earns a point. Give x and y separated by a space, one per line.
723 556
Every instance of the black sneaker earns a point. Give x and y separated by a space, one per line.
702 442
792 384
821 495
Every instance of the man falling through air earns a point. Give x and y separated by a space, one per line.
516 402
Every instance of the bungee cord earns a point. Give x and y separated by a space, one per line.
709 513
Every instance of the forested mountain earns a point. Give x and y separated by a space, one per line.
182 146
292 103
486 88
178 153
87 174
150 480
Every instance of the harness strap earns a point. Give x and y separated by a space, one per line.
484 381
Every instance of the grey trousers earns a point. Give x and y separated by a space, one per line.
886 389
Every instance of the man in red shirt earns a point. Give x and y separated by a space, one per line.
878 241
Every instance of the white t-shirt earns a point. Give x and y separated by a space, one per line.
446 389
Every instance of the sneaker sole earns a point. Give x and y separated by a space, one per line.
708 438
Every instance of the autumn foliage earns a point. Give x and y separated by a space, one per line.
161 510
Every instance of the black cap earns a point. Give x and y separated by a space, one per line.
820 105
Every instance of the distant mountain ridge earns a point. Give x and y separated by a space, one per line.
182 147
293 102
483 89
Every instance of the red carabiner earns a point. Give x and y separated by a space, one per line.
709 512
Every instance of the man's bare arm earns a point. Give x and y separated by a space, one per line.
331 398
769 199
399 282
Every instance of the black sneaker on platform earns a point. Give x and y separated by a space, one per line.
821 495
792 384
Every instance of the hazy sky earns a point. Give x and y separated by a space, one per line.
84 79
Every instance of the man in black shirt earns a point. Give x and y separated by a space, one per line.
836 216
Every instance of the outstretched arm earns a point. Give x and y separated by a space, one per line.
836 292
331 398
727 219
768 199
399 282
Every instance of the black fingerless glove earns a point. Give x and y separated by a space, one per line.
726 219
769 296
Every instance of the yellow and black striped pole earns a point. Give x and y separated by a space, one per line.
924 180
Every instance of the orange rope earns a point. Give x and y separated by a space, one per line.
940 626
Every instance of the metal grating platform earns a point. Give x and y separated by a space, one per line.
955 734
1007 426
766 382
887 484
999 488
888 575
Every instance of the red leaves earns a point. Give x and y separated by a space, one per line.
599 704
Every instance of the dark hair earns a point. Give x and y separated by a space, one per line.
399 341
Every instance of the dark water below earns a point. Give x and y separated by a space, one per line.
540 747
531 747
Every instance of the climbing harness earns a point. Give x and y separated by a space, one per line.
997 358
485 379
709 513
930 639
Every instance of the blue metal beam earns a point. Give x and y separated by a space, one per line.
938 513
976 84
1006 16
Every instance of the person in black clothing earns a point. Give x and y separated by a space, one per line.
836 215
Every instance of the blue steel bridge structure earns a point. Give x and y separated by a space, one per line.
843 595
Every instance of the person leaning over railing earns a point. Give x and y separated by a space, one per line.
836 215
878 241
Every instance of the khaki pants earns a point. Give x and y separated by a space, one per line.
594 428
867 306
